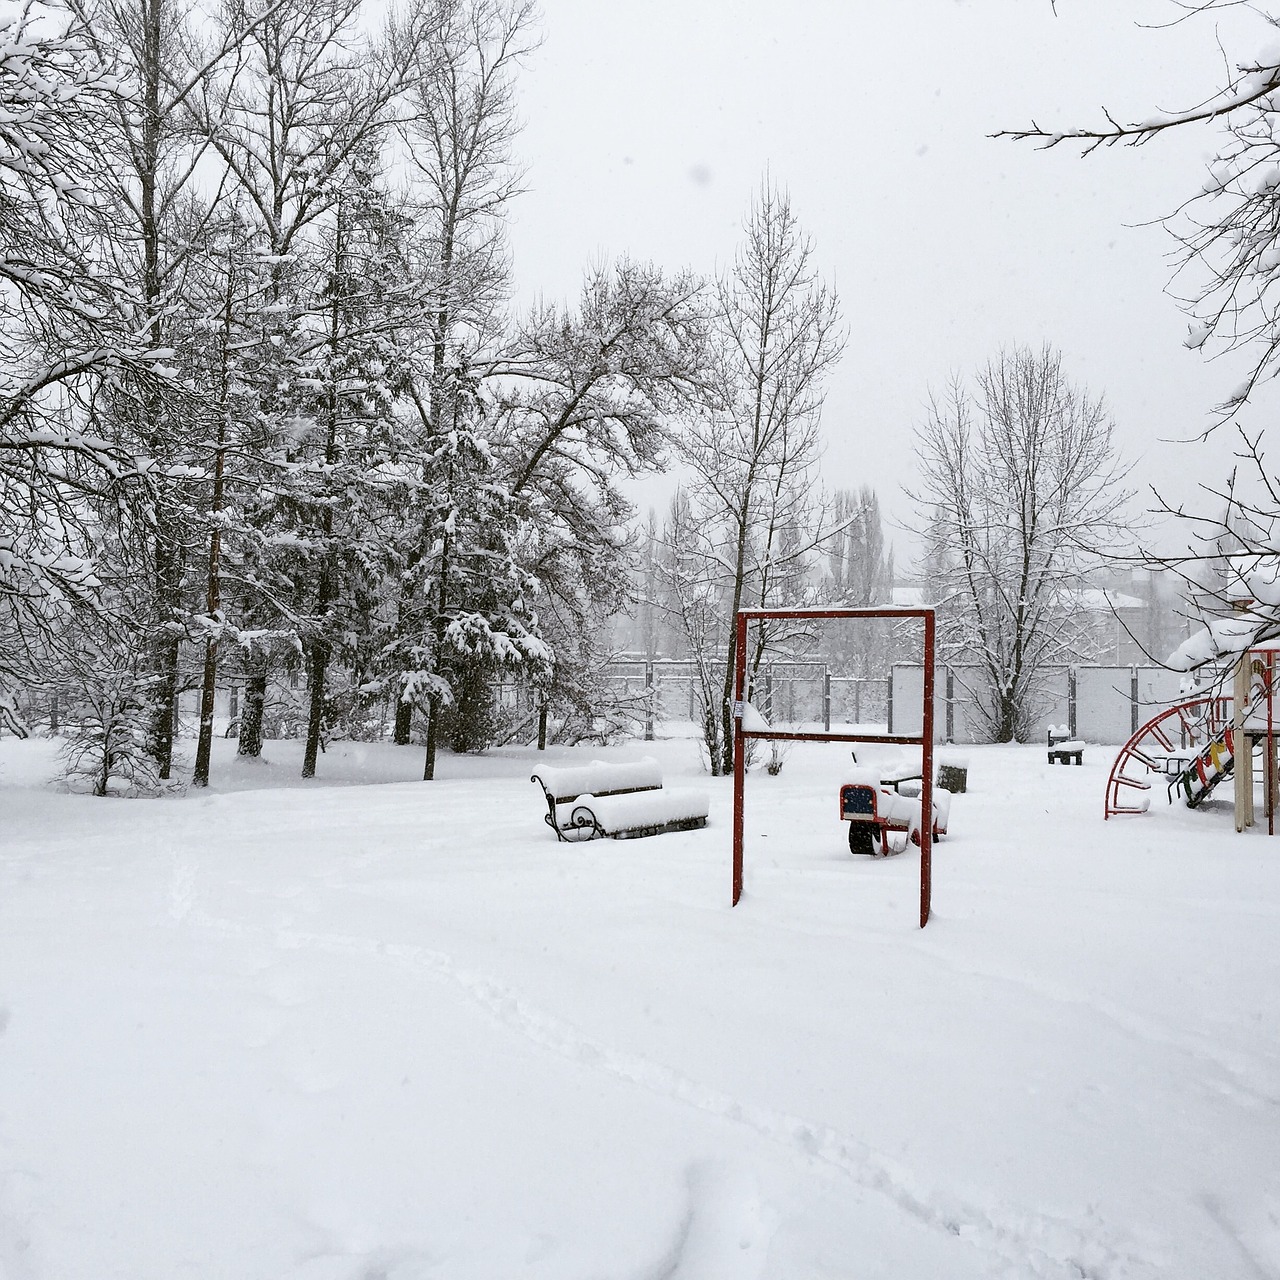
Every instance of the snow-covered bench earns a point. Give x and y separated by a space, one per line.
622 801
874 811
1063 748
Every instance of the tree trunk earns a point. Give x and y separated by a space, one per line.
255 697
433 720
319 664
204 742
165 686
403 732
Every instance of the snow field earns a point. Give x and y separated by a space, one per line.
332 1031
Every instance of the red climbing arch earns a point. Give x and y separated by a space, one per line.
1198 731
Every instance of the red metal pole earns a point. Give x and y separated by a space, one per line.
926 777
739 761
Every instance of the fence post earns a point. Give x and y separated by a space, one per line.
888 699
951 705
1133 699
826 699
857 700
648 700
768 694
1071 701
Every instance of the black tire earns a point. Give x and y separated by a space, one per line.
862 838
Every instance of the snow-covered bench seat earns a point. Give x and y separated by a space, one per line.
873 810
1063 748
621 800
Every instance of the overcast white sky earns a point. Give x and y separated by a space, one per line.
648 126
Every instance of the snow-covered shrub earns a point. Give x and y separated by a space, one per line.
106 736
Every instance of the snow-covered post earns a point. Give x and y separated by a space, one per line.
826 698
739 754
649 694
1243 750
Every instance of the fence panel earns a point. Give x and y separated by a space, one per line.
1105 704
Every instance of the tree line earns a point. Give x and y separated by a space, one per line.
266 404
266 399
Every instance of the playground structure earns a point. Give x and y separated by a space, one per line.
1199 743
924 740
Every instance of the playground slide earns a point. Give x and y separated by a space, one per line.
1217 761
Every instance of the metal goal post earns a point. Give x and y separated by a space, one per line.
924 739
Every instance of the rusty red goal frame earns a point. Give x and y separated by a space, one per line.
924 740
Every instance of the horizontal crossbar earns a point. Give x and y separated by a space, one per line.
898 739
890 612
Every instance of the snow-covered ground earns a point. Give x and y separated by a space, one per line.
338 1032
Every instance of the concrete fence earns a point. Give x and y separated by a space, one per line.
1099 704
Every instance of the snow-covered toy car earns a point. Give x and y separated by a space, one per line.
874 811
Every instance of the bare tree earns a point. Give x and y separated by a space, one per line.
749 522
1227 230
1229 565
61 343
1229 237
1020 493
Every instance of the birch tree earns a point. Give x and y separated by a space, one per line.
754 518
583 397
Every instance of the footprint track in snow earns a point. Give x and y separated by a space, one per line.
1030 1243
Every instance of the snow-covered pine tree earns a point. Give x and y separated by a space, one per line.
460 136
312 91
223 342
